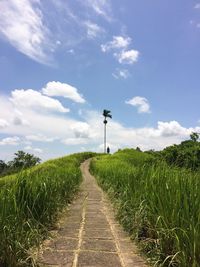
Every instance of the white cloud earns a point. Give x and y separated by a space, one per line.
121 73
71 51
43 126
93 30
26 142
33 99
141 103
197 6
119 136
40 138
21 23
39 30
32 149
127 57
74 141
38 150
172 128
10 141
118 42
20 121
3 124
81 129
87 132
50 125
81 132
119 45
63 89
100 7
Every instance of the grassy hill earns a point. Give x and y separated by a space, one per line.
30 201
156 197
157 204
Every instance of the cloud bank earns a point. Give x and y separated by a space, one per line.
22 25
64 90
141 103
119 47
50 130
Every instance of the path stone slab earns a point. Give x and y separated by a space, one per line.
53 257
95 215
73 219
96 225
95 198
94 202
98 245
75 215
63 244
101 220
69 225
98 259
98 234
69 232
94 211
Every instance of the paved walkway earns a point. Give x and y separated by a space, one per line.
88 235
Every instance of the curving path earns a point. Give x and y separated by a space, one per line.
88 235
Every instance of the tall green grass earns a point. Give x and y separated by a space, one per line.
29 203
158 205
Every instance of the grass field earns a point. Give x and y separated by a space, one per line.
157 204
29 203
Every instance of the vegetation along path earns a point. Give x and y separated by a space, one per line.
88 234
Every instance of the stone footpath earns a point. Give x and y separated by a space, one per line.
88 235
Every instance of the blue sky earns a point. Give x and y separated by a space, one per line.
63 62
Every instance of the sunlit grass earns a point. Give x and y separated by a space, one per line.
29 203
158 205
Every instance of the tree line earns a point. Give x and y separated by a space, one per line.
184 155
21 160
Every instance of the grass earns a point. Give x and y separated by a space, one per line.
29 203
158 205
8 179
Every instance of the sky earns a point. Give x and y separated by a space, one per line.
63 62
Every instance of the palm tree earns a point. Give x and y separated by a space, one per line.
106 114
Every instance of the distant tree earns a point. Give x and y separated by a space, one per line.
194 136
186 154
23 160
3 166
138 149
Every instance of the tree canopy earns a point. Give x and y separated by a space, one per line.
22 160
186 154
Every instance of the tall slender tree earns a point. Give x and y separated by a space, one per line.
106 114
194 136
